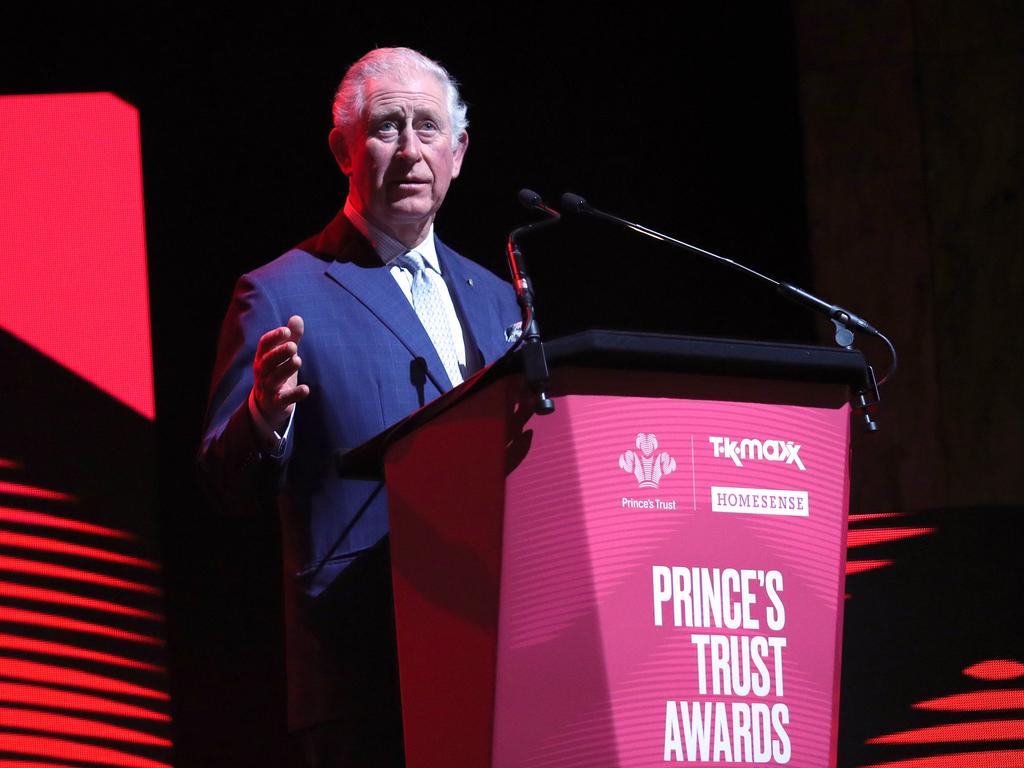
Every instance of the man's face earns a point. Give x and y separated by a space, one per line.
400 160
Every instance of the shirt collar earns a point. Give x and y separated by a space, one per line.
386 246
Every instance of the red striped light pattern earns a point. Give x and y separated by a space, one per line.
976 701
864 537
52 674
55 698
867 536
996 669
45 544
27 517
988 730
74 726
860 566
971 731
875 516
53 715
41 595
18 489
54 571
1000 758
31 645
39 619
44 746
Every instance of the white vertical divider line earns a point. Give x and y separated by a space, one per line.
693 474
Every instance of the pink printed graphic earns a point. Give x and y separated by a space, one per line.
638 626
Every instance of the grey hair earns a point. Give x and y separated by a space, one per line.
350 99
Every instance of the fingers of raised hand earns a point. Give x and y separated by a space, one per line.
278 363
291 332
287 396
275 369
272 339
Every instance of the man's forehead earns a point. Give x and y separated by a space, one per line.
419 93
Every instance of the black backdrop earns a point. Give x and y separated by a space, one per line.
687 122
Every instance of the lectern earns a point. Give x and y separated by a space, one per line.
651 574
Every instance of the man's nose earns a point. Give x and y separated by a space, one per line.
409 145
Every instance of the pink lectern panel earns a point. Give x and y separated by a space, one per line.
446 485
671 585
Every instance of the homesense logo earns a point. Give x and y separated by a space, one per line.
749 449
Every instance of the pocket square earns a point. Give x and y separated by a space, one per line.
513 332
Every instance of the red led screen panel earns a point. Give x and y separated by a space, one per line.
82 675
72 238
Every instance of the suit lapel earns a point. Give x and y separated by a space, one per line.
357 268
478 312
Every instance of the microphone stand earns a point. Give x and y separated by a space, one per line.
535 364
867 396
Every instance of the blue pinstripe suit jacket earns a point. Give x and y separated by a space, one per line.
363 354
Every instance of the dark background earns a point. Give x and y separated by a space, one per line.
869 151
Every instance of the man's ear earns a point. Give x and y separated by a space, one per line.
340 150
459 153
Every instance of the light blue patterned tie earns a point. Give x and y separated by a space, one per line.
428 301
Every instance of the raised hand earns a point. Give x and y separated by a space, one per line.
275 369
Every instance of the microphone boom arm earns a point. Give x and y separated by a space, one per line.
846 322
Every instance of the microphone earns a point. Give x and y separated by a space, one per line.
577 206
528 198
534 202
531 200
574 203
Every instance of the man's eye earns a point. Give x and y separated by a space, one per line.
428 125
387 126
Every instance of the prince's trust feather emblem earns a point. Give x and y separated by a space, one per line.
647 468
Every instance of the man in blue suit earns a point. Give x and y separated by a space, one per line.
321 350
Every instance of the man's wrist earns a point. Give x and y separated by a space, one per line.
272 441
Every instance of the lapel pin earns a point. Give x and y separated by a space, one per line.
470 281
